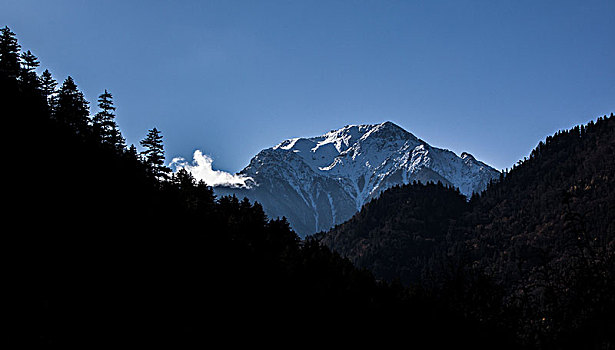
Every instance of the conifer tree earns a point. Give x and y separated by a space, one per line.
104 122
48 88
154 154
72 108
29 62
184 180
132 152
9 54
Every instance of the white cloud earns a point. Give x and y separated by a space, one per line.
201 169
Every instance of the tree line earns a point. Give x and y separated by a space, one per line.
534 252
109 247
68 106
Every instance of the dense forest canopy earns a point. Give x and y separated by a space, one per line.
111 247
542 238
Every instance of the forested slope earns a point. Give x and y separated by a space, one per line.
534 251
105 247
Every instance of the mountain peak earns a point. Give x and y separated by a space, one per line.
390 124
320 181
387 125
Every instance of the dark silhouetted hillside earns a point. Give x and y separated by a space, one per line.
534 251
104 247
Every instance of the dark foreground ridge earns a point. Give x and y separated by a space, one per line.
534 251
107 248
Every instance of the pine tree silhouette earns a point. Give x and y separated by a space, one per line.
28 75
48 88
104 123
72 108
9 54
154 154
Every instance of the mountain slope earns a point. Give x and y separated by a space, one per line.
543 238
322 181
102 252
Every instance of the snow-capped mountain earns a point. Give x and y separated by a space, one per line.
322 181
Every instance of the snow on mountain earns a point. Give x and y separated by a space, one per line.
322 181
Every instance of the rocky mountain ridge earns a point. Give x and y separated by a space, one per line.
322 181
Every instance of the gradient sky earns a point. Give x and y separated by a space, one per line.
233 77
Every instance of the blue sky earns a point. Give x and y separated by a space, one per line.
233 77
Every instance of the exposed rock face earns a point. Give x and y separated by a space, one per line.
322 181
